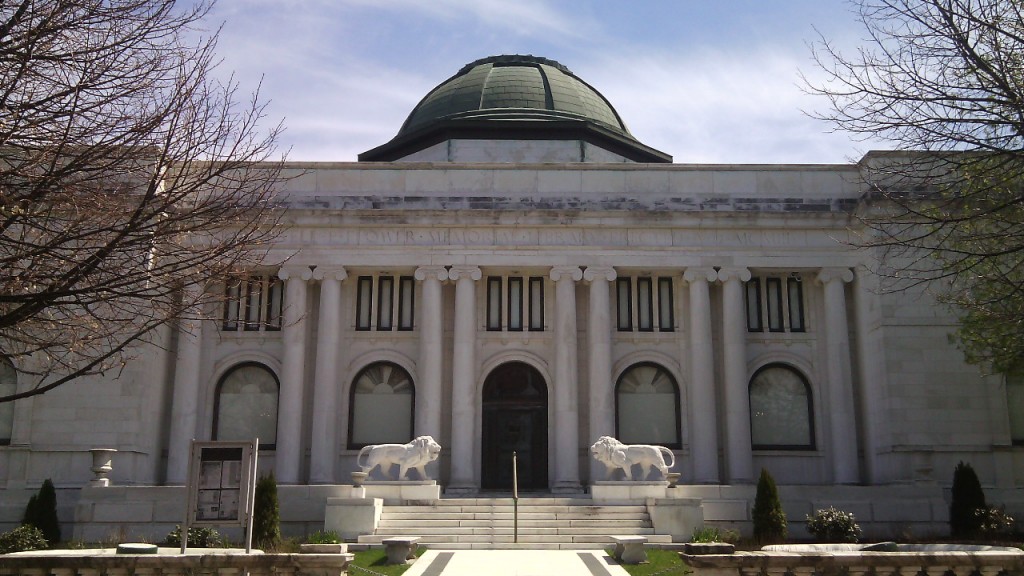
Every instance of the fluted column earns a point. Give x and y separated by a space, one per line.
428 390
837 364
323 444
738 453
185 400
599 355
566 384
288 458
704 432
463 473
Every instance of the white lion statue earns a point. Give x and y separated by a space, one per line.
416 454
614 454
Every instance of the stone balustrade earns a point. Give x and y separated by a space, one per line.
89 563
856 563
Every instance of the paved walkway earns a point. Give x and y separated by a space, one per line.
515 563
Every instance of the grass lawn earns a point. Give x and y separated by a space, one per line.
657 561
374 559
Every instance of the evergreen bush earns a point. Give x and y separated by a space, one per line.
967 498
21 539
41 512
266 522
832 525
198 537
769 519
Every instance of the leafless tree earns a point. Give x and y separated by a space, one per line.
944 81
128 174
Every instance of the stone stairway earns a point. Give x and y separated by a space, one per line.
487 523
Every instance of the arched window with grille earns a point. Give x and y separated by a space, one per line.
647 407
246 405
781 409
381 406
8 386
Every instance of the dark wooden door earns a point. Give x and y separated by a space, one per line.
515 419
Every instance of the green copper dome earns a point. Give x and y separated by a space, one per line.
514 97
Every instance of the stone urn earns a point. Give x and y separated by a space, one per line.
102 464
673 479
358 478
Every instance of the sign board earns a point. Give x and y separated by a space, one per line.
221 485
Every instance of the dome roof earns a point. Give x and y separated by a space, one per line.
514 97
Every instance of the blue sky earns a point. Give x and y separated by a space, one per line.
703 80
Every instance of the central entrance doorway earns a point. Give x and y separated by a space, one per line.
515 418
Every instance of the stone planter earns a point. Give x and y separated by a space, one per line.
358 478
102 464
323 548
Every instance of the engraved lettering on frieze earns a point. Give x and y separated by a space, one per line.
561 237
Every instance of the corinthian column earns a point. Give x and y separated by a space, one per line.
288 459
428 389
185 401
599 356
567 423
323 444
840 389
738 453
463 476
704 432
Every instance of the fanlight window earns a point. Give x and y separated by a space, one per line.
781 410
647 407
8 385
381 410
246 405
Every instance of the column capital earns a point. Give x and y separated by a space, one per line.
707 274
432 272
330 272
728 274
566 272
826 275
301 271
464 271
606 273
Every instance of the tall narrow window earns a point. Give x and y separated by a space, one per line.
364 302
754 322
536 303
385 302
773 286
275 302
781 411
252 303
494 303
795 291
246 405
647 407
406 302
232 303
515 303
1014 405
666 315
8 386
624 302
644 305
381 406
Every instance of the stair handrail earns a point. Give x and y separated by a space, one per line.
515 499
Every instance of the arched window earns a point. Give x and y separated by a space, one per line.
781 410
246 405
8 385
380 410
647 407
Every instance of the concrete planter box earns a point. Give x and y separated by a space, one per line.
323 548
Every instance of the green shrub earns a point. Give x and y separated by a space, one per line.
769 519
41 512
713 534
327 537
993 523
967 497
266 520
831 525
198 537
23 538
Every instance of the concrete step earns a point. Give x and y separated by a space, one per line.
549 531
501 516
